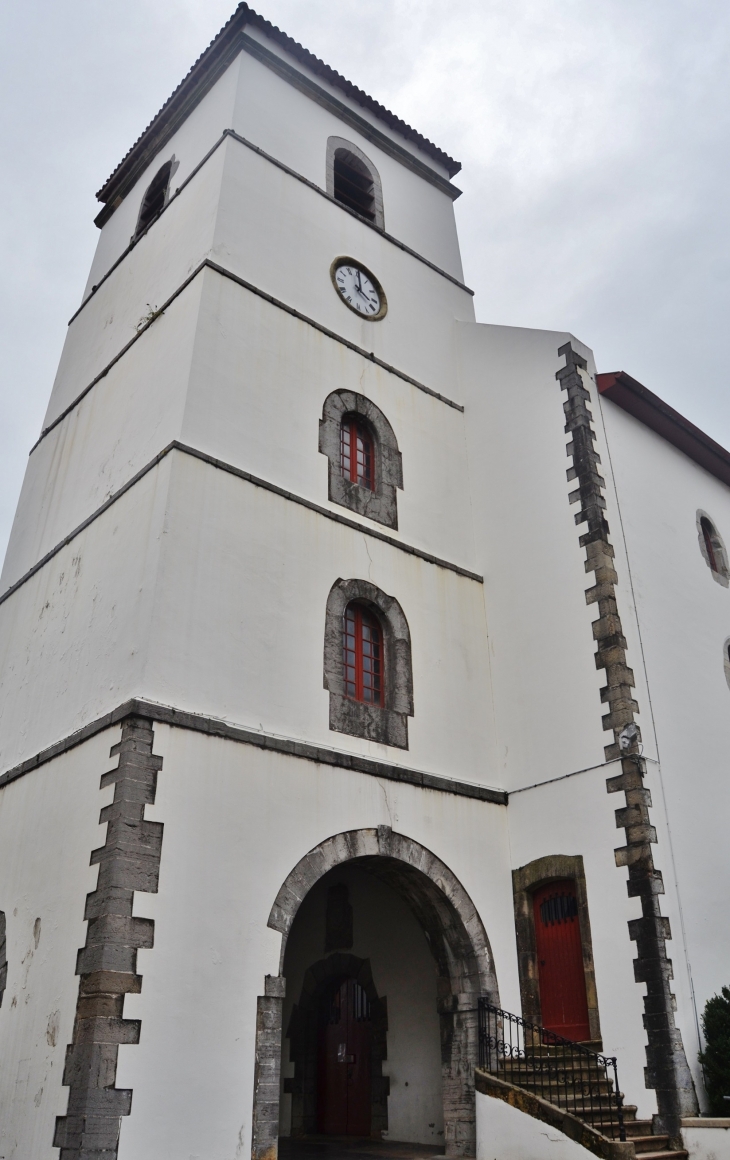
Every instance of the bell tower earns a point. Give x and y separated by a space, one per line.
252 460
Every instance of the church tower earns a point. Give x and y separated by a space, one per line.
256 738
252 447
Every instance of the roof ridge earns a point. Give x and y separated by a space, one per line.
242 16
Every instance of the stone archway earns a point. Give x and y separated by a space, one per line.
458 942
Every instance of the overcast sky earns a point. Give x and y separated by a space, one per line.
594 136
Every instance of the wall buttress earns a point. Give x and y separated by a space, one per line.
667 1070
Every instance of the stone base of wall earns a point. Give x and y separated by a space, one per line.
707 1138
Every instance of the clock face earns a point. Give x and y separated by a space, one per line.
358 289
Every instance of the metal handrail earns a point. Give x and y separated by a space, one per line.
558 1070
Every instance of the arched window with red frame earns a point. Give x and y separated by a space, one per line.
357 453
362 655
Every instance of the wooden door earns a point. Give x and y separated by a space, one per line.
343 1097
563 1001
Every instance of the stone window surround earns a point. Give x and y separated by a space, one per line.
380 504
723 575
525 881
334 145
387 724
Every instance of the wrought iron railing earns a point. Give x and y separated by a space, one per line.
562 1072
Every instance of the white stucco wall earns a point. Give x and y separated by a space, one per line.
148 276
73 638
282 236
546 685
258 381
238 625
273 115
189 145
575 816
127 419
49 824
707 1139
236 823
684 617
505 1133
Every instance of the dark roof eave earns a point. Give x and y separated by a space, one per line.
206 70
654 413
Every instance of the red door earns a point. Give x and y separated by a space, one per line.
560 961
343 1102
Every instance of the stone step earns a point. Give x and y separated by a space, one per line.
644 1144
639 1129
537 1057
556 1068
680 1154
600 1104
557 1048
557 1076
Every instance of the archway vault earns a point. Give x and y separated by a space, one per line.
458 942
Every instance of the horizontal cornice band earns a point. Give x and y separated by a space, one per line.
291 173
329 514
346 209
221 465
208 264
213 727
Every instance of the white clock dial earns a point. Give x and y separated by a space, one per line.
358 290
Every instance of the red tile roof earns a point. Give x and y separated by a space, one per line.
649 409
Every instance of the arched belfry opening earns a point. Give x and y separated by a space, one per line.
354 181
154 198
370 1029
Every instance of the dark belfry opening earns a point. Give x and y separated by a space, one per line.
354 185
153 201
708 533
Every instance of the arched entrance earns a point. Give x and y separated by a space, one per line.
463 968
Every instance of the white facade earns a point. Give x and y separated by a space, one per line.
180 498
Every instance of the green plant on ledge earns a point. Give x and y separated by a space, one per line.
715 1059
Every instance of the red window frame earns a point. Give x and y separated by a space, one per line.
357 453
362 656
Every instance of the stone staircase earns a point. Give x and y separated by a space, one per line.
583 1090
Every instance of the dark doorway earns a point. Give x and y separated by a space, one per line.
344 1061
563 1001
